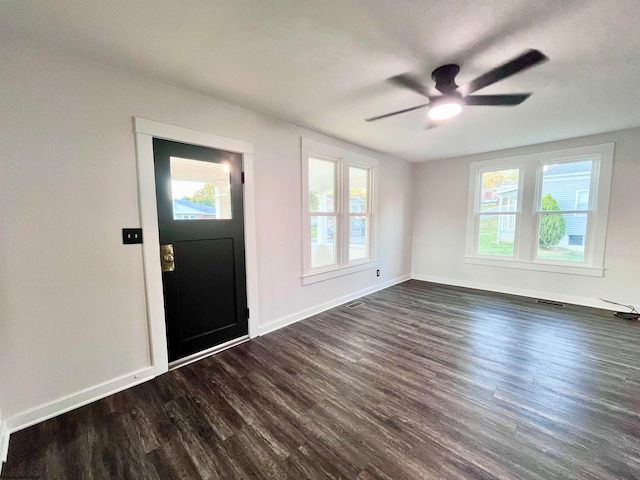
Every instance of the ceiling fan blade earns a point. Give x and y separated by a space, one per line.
410 82
395 113
524 61
497 100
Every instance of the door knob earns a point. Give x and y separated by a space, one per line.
167 259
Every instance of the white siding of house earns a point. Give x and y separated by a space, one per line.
563 188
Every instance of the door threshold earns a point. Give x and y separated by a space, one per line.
206 353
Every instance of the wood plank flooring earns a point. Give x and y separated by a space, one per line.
422 381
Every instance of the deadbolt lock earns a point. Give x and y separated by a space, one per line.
167 260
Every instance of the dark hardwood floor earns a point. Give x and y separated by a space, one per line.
422 381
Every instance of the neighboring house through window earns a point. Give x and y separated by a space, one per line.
187 210
582 199
545 211
339 211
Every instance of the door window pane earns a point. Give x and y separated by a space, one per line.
323 251
565 186
496 234
500 191
561 236
358 239
322 179
358 187
200 190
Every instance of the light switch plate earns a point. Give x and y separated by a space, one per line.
131 235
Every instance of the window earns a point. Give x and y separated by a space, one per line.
201 190
546 211
322 187
498 213
563 209
338 211
582 199
576 239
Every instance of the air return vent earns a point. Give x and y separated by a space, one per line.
354 305
549 302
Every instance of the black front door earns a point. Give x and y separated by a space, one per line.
201 226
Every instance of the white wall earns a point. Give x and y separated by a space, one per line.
440 227
72 296
4 440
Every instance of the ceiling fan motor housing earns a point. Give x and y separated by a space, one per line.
444 77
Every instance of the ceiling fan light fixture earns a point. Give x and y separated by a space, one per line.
445 109
449 104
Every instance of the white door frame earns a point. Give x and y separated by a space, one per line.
145 131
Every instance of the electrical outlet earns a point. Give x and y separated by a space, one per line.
131 235
377 273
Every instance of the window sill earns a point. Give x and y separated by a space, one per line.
539 267
312 278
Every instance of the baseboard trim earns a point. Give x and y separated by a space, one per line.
296 317
4 442
583 301
78 399
70 402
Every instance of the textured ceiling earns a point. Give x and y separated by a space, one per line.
323 64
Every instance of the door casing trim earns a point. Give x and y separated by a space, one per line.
145 131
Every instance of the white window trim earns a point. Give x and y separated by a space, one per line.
344 159
529 193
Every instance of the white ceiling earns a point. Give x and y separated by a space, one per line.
323 64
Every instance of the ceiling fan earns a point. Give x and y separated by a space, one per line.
453 98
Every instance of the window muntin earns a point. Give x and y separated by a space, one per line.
339 211
584 173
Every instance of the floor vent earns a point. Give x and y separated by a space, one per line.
354 305
549 302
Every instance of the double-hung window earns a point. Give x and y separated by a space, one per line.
545 211
339 203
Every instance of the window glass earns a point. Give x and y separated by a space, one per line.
200 190
322 178
496 234
561 236
358 187
563 183
576 239
323 251
500 191
498 197
358 236
582 200
565 187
